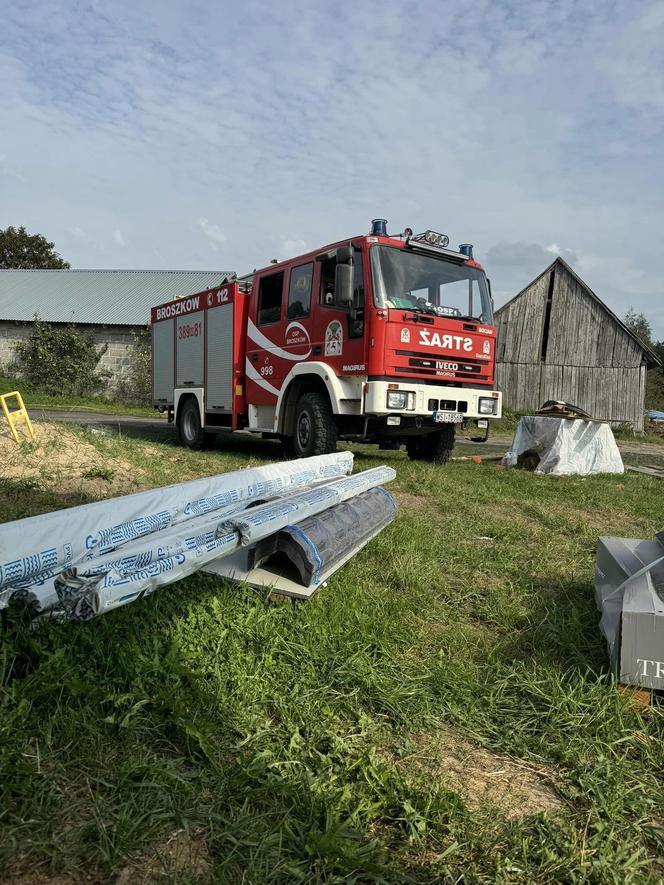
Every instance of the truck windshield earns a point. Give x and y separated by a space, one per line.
413 281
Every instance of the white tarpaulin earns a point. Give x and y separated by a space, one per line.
35 550
566 447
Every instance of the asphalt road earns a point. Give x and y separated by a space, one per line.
97 418
130 423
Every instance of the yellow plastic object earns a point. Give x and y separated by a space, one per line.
15 415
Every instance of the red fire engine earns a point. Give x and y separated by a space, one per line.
383 339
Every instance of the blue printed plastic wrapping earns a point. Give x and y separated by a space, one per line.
88 560
258 522
36 550
111 581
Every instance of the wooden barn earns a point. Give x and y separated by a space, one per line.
557 340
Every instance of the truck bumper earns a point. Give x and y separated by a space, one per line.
429 398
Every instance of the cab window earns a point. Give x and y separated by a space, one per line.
299 291
328 268
357 327
270 291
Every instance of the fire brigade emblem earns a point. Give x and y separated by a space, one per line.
405 336
334 339
487 347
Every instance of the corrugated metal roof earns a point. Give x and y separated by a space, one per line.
111 297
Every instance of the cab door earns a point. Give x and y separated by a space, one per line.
340 332
265 333
279 330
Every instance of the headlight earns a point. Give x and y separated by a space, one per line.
487 405
400 399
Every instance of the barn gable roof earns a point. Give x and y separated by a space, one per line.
96 297
651 357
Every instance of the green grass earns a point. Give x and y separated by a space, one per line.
35 399
284 738
87 404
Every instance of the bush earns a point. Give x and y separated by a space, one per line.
60 360
136 387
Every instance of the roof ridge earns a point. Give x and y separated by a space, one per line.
561 261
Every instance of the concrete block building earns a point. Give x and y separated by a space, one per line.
112 304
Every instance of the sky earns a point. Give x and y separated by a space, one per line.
219 136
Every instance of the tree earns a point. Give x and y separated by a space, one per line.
21 250
639 324
60 360
658 347
136 385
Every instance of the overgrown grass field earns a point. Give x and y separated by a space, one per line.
441 711
37 399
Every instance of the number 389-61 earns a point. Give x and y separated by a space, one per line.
191 330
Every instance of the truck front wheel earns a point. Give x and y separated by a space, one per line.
436 447
315 429
190 430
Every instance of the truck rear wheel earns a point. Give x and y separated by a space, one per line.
315 430
436 447
190 429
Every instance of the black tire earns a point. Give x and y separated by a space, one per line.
436 447
314 430
190 430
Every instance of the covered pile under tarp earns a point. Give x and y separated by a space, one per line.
629 591
84 561
565 447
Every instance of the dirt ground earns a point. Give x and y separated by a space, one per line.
63 459
183 857
515 788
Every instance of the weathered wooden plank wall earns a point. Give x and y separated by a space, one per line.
610 394
590 360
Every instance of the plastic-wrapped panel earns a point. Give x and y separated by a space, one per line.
163 360
629 590
219 389
318 543
189 343
129 533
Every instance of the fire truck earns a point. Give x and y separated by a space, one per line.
377 338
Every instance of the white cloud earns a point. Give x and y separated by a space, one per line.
503 124
294 246
118 237
213 232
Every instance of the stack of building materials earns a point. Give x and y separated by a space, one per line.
87 560
629 591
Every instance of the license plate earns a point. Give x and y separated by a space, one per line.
447 417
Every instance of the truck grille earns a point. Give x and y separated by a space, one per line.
447 405
443 367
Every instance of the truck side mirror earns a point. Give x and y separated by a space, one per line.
345 254
343 286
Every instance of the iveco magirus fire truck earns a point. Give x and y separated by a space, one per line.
378 338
